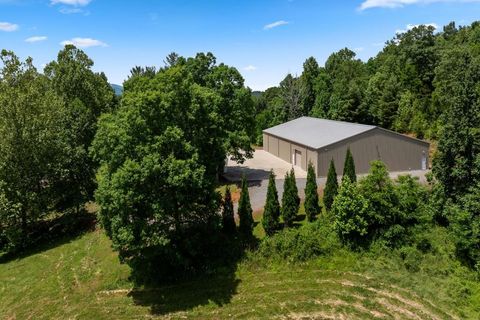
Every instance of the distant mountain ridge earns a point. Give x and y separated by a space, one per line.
117 88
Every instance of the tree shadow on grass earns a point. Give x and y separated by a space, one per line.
215 285
184 296
54 232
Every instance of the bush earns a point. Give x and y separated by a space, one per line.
411 257
350 211
465 227
297 245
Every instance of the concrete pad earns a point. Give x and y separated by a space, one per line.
258 168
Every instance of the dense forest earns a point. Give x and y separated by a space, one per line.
403 88
151 159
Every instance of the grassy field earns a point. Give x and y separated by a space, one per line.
81 278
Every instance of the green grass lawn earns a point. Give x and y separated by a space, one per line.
81 278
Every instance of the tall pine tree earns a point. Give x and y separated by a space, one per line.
271 214
290 199
312 207
457 162
228 220
331 186
349 167
245 211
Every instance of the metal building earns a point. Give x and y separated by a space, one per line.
318 141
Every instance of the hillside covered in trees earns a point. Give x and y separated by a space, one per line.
403 88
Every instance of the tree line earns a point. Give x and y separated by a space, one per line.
402 88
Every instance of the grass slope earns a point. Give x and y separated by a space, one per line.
82 279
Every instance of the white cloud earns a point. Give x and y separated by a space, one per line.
84 42
79 3
411 26
359 49
70 10
250 68
367 4
275 24
36 39
8 27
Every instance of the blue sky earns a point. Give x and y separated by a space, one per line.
263 39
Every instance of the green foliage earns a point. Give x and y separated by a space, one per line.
228 219
379 190
290 199
298 245
349 167
308 78
245 211
271 213
465 226
312 206
458 154
351 212
159 156
31 149
346 80
86 95
331 186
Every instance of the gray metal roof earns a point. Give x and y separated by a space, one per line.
317 133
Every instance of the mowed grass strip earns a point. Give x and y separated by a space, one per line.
82 278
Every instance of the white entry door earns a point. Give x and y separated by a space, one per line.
298 158
424 161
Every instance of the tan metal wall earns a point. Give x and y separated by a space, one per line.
397 152
312 156
303 150
273 145
285 150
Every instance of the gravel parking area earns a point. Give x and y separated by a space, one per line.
258 168
257 171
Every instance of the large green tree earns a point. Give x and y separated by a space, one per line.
31 146
86 95
159 155
308 81
458 154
